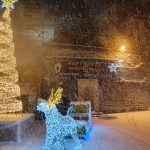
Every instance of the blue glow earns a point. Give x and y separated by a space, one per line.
86 137
58 127
87 123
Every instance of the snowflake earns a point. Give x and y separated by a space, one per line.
114 67
8 3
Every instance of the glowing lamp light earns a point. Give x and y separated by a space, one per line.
123 48
120 61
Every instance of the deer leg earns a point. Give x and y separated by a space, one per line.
60 144
48 143
76 139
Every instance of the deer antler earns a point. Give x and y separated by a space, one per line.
55 97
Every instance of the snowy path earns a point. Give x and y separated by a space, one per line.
104 136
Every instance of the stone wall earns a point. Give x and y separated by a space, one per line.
116 93
123 96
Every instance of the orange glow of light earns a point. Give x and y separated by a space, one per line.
123 48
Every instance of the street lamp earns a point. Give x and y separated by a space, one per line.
123 48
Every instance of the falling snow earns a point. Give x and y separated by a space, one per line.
104 43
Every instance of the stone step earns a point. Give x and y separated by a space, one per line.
97 114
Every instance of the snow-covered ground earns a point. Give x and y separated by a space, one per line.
136 124
126 131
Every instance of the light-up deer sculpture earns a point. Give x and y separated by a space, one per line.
58 127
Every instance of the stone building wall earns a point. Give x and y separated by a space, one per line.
123 96
116 93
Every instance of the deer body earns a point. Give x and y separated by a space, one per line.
57 127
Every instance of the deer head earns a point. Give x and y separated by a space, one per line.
55 98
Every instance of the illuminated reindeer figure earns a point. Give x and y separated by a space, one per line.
57 126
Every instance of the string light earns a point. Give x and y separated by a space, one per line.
58 127
55 97
9 3
9 89
115 67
